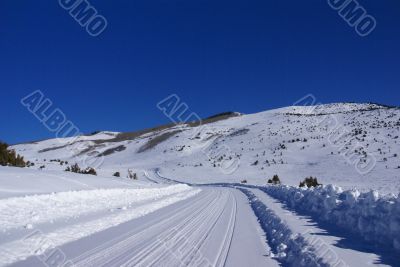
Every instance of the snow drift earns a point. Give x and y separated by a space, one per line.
375 218
289 248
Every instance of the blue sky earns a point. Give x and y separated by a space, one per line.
217 55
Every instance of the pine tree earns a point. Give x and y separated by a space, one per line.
9 157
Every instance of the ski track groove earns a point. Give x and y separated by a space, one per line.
204 237
123 242
194 220
221 261
193 224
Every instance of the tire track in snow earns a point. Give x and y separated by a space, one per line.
225 247
189 229
199 245
122 244
174 240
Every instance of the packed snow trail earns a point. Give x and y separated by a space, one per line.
216 227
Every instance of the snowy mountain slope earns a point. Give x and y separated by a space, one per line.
346 144
214 220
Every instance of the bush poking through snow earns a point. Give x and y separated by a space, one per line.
117 174
90 171
30 164
76 169
243 181
275 180
132 175
309 182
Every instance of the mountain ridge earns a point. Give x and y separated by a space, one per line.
349 144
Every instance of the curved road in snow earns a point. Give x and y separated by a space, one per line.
219 226
216 227
204 231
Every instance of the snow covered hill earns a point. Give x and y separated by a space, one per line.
201 197
347 144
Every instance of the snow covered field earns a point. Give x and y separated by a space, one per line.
188 207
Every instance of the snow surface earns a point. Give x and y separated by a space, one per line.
326 141
373 217
23 181
299 241
188 208
64 217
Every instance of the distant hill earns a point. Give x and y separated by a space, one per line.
349 144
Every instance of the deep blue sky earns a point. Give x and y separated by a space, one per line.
217 55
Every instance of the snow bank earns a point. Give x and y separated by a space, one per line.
289 248
19 182
40 239
19 212
373 217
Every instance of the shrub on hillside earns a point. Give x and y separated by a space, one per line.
76 169
30 164
90 171
275 180
309 182
132 175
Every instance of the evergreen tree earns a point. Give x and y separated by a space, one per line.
9 157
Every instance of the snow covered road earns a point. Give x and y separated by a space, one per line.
215 227
168 224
